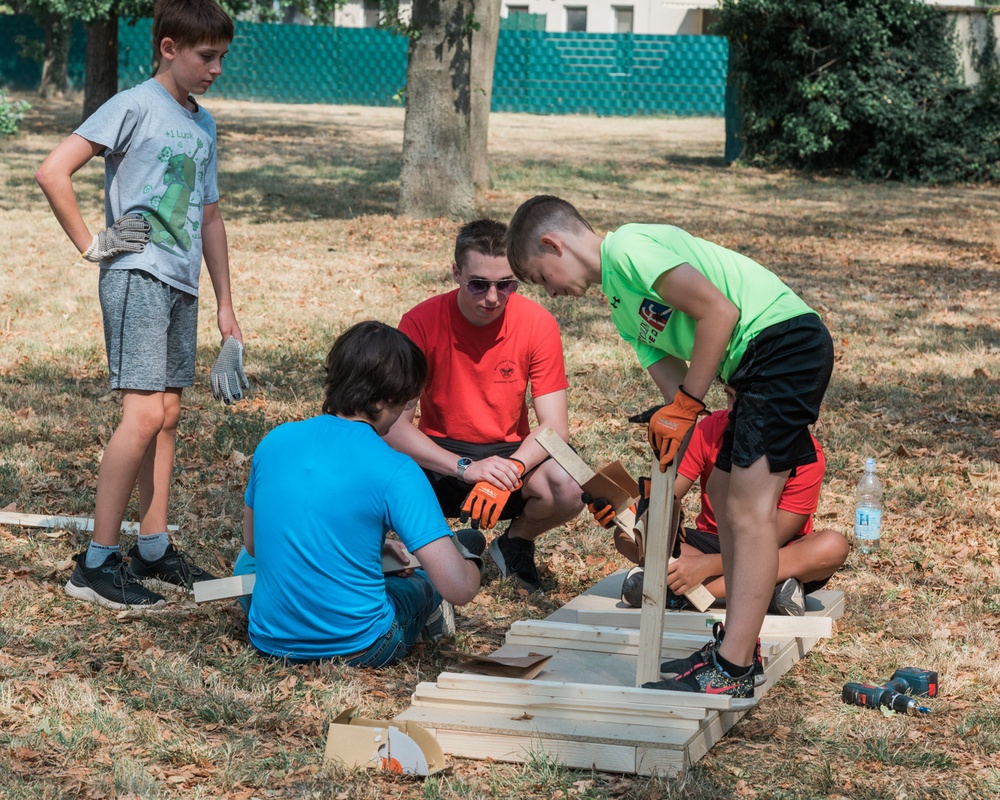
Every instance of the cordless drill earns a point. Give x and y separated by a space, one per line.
892 694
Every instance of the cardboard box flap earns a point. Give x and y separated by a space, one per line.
401 747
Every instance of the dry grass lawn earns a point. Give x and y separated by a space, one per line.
176 706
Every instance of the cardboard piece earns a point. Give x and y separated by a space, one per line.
404 748
614 484
524 667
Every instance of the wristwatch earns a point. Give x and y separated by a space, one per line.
463 465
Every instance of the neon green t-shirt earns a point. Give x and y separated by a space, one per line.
635 256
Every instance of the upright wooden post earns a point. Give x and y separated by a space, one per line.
654 581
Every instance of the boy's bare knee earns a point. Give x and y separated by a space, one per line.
833 548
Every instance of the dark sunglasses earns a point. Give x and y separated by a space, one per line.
479 286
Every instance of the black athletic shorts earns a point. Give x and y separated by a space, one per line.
779 385
451 491
705 542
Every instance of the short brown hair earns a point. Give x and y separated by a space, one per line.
372 363
189 23
484 236
541 214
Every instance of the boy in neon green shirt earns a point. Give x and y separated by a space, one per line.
693 310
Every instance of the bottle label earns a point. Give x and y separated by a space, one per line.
867 523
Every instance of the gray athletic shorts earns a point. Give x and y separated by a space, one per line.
150 331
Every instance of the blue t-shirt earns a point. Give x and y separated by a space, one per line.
324 493
159 161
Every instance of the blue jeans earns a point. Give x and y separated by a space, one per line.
414 600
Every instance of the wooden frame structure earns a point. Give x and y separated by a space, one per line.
582 709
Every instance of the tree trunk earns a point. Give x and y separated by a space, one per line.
102 62
484 54
436 174
55 67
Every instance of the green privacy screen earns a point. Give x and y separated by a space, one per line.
536 72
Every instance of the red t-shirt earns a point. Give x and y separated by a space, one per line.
800 495
478 375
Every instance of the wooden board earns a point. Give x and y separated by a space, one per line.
694 623
242 585
654 581
576 636
54 522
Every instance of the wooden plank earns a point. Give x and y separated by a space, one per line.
242 585
567 458
487 721
69 523
637 700
224 588
628 648
519 749
624 640
694 623
429 695
654 585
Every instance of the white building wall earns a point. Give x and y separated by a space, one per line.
660 17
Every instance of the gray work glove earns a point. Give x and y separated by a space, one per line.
129 234
228 378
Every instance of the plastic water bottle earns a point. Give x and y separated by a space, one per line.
868 511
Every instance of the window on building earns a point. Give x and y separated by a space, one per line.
708 20
372 13
623 19
512 10
576 20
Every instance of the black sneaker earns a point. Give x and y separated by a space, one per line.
680 667
110 584
789 599
632 592
516 559
173 570
710 678
472 540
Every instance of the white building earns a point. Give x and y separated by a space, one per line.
662 17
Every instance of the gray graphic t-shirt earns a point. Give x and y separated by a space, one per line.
159 162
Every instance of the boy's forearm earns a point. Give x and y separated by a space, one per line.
55 178
215 250
711 339
59 193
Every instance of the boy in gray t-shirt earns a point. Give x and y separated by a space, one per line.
162 217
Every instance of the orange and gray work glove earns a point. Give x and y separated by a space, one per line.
228 378
603 511
669 424
485 502
129 234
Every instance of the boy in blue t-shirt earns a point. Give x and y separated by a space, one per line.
161 216
322 495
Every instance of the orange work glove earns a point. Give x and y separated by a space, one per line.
669 424
603 511
485 502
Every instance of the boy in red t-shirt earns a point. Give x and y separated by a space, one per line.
485 345
807 558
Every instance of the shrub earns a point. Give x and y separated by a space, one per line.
11 114
870 86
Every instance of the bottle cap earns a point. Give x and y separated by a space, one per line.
870 465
